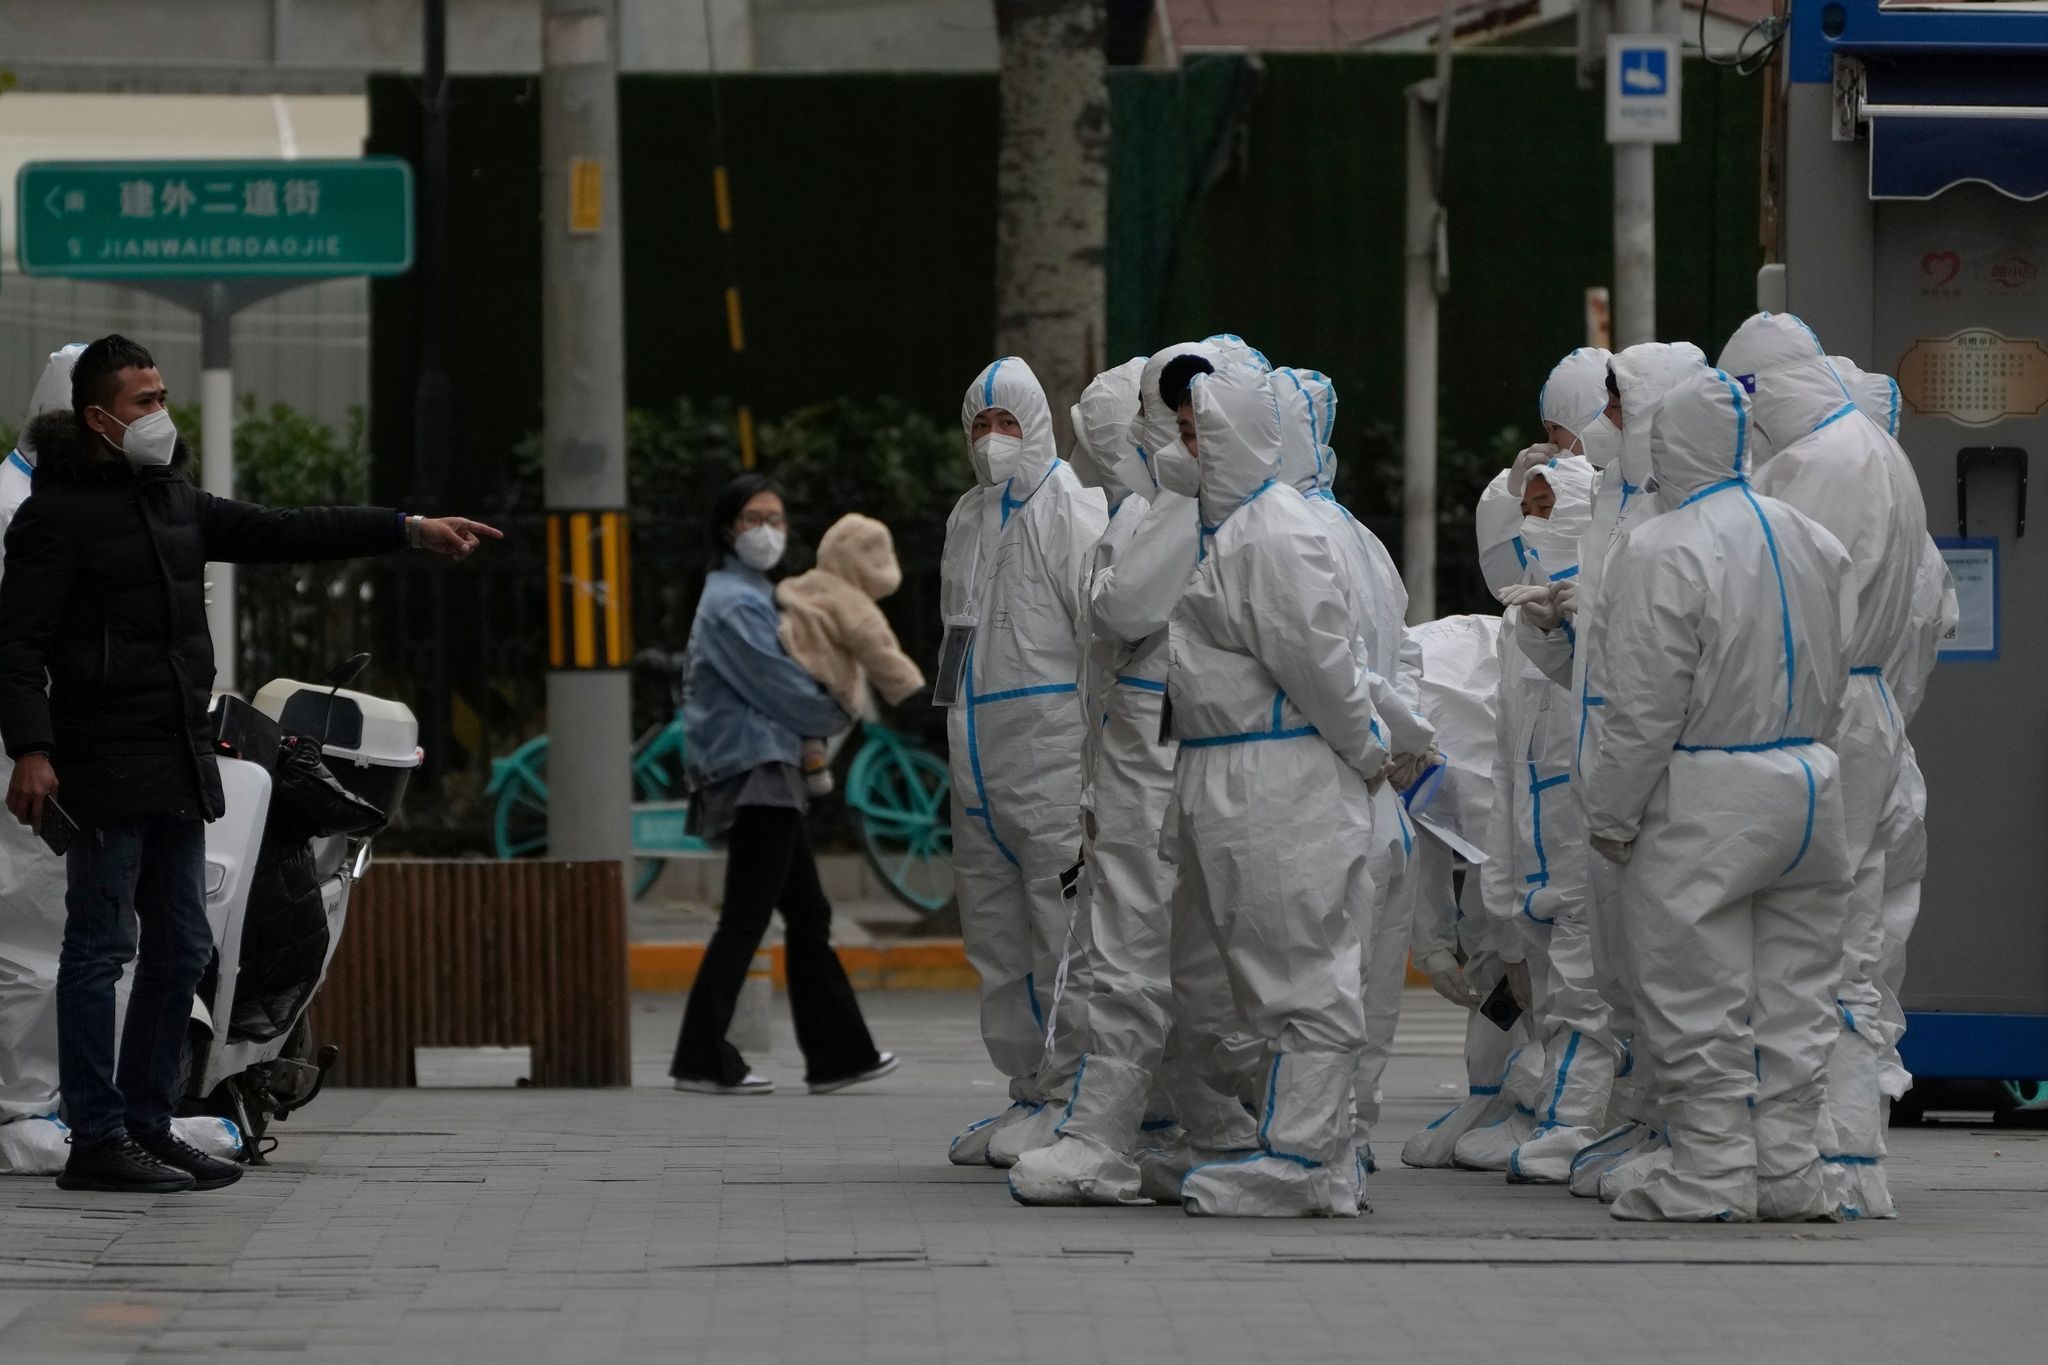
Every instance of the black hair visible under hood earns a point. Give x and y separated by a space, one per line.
1179 373
94 377
65 449
725 510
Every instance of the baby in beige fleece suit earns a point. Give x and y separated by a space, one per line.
835 632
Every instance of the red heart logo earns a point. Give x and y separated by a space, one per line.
1947 264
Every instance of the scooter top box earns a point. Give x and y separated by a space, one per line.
371 744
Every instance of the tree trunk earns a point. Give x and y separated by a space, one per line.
1052 193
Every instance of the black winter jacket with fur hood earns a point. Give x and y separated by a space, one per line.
106 664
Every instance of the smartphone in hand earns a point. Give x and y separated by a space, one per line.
58 829
1500 1008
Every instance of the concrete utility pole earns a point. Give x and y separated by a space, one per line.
1428 276
1635 211
584 435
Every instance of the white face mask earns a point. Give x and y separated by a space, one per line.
1178 471
996 458
1600 442
760 547
148 441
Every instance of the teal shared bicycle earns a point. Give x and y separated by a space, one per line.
899 791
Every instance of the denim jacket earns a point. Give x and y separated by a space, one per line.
745 702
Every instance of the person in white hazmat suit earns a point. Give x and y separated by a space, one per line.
1452 938
1715 787
1536 875
1016 557
1617 444
1824 457
1308 414
33 1138
1269 694
1121 1138
1902 829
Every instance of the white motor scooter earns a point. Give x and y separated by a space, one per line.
278 904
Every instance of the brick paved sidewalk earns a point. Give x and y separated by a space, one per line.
413 1227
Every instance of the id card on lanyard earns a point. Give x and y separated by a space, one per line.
962 592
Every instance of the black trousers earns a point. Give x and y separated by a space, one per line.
768 866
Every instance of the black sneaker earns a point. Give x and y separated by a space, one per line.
121 1166
207 1172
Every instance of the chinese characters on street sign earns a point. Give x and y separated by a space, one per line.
214 219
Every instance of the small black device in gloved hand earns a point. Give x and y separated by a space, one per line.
1500 1007
57 828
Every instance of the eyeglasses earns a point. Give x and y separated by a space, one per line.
754 521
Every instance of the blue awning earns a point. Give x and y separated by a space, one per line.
1919 150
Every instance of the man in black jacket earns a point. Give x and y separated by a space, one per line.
106 672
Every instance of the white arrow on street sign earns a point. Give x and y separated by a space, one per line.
50 201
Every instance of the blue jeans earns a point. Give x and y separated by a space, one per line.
157 868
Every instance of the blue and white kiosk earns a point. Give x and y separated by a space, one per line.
1914 222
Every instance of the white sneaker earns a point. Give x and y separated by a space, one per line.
752 1085
889 1062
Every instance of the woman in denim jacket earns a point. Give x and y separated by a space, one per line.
748 708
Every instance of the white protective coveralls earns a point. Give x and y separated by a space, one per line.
1838 467
1621 500
33 1139
1121 1138
1536 875
1452 943
1573 396
1719 652
1018 547
1903 827
1269 694
1308 413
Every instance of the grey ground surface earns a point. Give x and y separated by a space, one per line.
417 1227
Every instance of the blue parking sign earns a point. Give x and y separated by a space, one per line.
1645 72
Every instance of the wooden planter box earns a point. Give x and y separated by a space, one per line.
475 954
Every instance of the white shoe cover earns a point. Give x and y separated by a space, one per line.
1852 1129
1801 1198
1027 1135
971 1147
1431 1148
1598 1158
217 1137
1546 1158
1258 1185
1857 1188
1490 1148
1667 1197
1163 1162
1075 1171
1650 1156
34 1146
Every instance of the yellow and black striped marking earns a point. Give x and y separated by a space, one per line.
590 590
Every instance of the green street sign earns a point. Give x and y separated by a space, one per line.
214 219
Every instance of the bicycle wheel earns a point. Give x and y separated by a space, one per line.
903 797
519 824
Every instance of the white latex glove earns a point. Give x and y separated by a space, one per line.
1532 458
1447 978
1566 595
1518 985
1614 850
1406 769
1538 602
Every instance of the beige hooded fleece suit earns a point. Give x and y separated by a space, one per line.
831 625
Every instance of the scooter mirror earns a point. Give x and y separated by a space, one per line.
348 670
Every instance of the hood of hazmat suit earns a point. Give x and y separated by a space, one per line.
32 883
1271 701
1876 395
1574 396
1102 422
1013 574
1722 670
